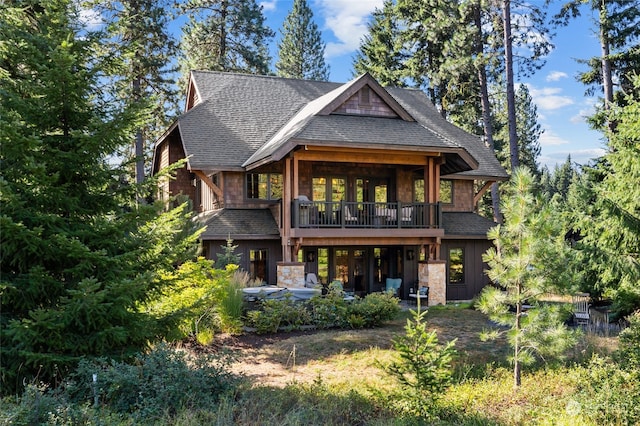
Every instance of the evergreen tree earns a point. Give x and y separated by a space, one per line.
606 210
618 23
225 35
528 131
228 255
380 51
427 31
560 180
301 50
530 258
78 259
140 42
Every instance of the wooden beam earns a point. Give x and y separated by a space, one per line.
480 193
207 180
286 212
338 155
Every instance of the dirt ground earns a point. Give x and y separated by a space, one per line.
337 355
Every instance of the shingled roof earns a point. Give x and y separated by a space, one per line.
465 224
239 224
240 120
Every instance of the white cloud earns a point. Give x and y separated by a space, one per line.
556 75
549 98
91 19
580 156
549 138
268 5
347 20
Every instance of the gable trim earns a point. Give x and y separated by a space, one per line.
352 88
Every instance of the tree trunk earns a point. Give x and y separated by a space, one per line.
486 107
607 79
511 98
517 369
222 48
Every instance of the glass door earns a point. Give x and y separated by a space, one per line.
351 269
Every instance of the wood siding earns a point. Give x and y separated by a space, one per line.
474 267
462 197
363 103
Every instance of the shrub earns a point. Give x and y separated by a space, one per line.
158 384
373 310
629 350
609 393
231 302
279 314
329 311
324 312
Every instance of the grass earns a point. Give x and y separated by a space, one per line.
339 363
333 378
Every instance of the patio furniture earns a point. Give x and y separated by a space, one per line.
393 285
422 295
581 308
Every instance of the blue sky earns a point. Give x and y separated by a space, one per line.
560 99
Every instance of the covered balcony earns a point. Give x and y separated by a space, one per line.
365 215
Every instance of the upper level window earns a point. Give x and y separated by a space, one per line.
329 189
264 186
446 191
418 190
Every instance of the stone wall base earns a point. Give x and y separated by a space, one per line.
433 274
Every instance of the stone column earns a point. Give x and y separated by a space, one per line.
433 274
290 274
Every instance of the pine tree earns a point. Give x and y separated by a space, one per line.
530 258
301 50
528 131
78 258
225 35
380 52
140 42
619 31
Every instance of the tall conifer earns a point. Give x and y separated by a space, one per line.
380 52
78 258
143 50
225 35
301 50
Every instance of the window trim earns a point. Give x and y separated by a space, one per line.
447 203
464 271
269 189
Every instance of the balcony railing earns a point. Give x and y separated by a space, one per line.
347 214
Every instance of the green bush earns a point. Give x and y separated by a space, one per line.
629 350
373 310
274 315
329 311
231 302
609 393
158 384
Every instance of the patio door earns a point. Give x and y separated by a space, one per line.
350 267
372 190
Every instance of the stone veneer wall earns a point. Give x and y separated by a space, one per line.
433 274
290 274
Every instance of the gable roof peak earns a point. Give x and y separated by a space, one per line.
341 94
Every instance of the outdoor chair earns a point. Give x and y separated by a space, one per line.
393 285
581 308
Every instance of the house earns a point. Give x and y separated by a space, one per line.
352 182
